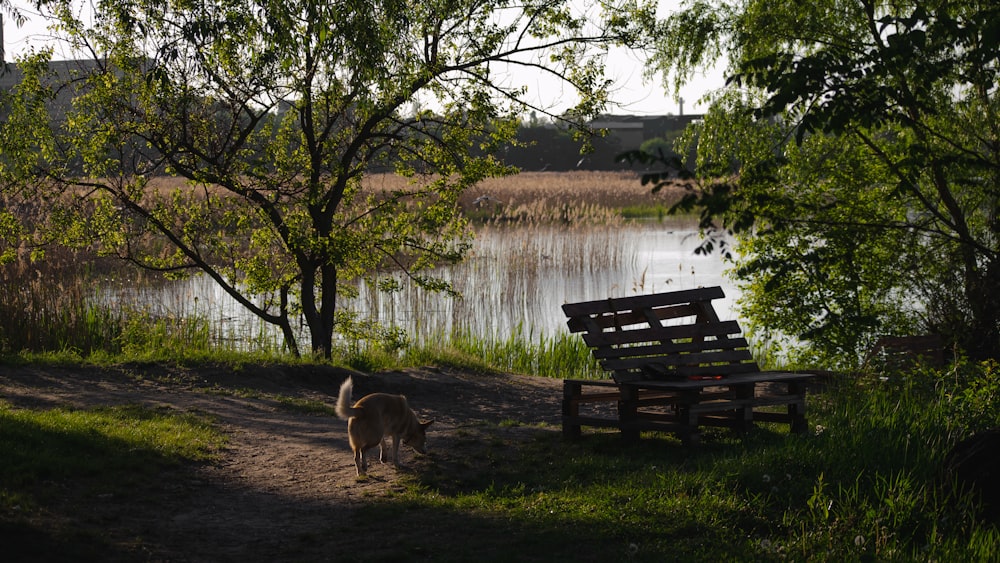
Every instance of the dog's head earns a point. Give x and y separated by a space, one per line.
418 438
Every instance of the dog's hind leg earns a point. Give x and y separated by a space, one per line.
381 450
361 462
395 450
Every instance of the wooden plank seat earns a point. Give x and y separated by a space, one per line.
674 367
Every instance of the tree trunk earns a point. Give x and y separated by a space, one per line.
323 341
286 325
320 319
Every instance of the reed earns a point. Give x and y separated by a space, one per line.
47 305
73 302
546 225
533 196
579 197
523 352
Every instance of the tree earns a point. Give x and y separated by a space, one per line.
854 150
274 113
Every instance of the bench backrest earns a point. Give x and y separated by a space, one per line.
662 336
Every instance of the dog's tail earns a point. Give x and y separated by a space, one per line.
344 408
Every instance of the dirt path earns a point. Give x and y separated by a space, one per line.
284 488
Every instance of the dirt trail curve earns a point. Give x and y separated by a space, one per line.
284 488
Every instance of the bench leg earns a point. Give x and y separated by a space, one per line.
628 407
689 433
572 391
745 413
797 411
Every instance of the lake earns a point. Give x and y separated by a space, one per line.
515 279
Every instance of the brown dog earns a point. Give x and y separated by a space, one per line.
374 417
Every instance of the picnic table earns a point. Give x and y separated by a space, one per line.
675 367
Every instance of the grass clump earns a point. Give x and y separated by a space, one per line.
561 356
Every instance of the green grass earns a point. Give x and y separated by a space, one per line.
863 485
656 211
58 457
112 446
562 356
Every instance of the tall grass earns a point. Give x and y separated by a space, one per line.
518 352
62 305
47 305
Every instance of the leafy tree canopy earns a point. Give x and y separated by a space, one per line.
854 153
273 112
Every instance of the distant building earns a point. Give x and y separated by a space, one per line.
632 130
62 74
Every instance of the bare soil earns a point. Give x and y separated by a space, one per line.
284 487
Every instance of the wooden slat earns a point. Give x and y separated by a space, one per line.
693 331
581 383
755 377
642 301
670 348
696 373
596 397
626 319
670 362
727 370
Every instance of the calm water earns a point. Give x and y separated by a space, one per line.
515 279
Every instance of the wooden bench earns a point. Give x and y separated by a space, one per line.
675 367
903 352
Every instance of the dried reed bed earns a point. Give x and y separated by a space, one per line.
46 305
600 189
577 197
594 197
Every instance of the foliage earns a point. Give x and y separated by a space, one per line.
274 113
853 151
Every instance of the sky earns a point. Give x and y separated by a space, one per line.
632 93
